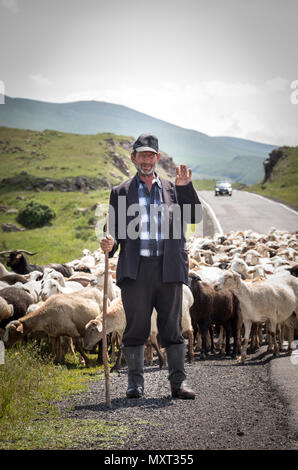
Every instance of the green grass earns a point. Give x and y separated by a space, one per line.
52 154
69 232
59 155
31 386
284 184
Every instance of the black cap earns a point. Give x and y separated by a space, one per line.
146 142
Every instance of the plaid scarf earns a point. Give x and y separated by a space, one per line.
154 245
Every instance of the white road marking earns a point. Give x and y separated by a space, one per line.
217 223
273 202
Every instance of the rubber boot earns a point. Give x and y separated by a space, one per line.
177 376
134 357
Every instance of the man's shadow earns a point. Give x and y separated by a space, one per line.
123 402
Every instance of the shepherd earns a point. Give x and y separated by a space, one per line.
153 266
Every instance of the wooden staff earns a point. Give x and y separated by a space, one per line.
104 321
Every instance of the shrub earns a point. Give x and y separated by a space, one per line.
35 215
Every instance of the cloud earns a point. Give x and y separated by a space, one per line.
277 84
40 80
11 5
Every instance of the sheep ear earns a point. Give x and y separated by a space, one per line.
99 328
20 329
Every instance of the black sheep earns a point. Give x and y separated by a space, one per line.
20 265
212 307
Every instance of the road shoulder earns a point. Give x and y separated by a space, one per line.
284 379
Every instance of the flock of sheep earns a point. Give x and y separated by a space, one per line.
241 284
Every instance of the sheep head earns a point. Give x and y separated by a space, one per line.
228 280
14 331
49 287
6 310
93 333
193 280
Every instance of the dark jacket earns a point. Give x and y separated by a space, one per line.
175 259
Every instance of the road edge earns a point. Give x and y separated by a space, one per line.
217 228
284 381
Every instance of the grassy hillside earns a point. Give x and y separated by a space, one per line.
30 160
244 168
70 232
283 184
52 154
209 156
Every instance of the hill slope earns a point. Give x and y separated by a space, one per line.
72 174
210 157
53 160
281 178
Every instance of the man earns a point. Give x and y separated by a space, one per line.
153 265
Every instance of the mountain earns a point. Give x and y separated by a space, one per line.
210 157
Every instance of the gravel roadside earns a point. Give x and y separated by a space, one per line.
237 407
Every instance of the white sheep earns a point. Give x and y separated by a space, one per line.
272 300
51 287
113 290
60 315
208 273
239 266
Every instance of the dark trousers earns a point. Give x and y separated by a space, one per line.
141 295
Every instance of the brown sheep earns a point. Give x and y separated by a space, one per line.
210 308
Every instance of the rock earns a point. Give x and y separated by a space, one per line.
269 163
8 227
167 164
48 187
126 144
4 208
80 182
120 163
83 210
118 177
12 211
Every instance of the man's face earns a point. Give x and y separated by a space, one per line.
145 162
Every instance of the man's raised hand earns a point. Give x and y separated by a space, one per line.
182 178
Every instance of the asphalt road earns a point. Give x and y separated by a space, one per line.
244 211
236 407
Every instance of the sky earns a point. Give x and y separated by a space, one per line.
222 67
